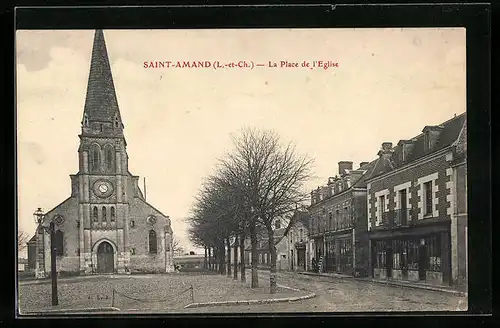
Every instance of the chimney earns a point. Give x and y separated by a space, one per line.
363 164
386 145
386 150
344 166
431 136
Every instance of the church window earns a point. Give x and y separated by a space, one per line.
95 214
85 120
95 158
104 214
109 158
116 122
132 251
59 243
112 214
132 224
152 242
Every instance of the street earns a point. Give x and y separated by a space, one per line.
348 295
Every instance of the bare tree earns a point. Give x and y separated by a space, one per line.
256 183
22 240
273 177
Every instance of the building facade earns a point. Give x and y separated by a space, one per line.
105 225
413 203
263 253
338 225
296 235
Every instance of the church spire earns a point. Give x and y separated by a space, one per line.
101 105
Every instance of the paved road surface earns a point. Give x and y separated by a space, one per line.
349 295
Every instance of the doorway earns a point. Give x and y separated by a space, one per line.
422 262
301 258
389 260
105 258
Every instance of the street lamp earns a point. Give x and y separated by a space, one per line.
39 218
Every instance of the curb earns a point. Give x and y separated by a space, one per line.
65 311
249 302
435 289
391 283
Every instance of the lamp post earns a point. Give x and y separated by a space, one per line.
39 216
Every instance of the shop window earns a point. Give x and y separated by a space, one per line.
412 251
380 249
434 252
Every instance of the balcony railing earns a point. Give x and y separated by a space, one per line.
396 218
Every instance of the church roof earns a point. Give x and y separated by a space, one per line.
100 103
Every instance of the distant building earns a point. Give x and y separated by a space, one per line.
22 265
189 262
417 212
263 253
297 238
338 220
31 246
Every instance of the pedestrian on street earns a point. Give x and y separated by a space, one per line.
314 265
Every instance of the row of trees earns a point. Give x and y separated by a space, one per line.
260 180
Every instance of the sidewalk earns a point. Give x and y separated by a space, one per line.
397 283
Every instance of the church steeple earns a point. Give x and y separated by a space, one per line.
101 115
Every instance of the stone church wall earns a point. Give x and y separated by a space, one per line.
140 259
70 261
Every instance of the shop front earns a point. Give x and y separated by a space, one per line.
330 256
339 253
300 250
412 257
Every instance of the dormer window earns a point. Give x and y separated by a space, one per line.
427 140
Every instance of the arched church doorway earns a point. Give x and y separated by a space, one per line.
105 258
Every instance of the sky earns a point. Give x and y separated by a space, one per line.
388 85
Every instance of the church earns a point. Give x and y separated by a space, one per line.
105 226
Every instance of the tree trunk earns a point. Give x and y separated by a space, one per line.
214 259
272 251
228 242
210 258
235 258
242 257
253 239
222 259
205 259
